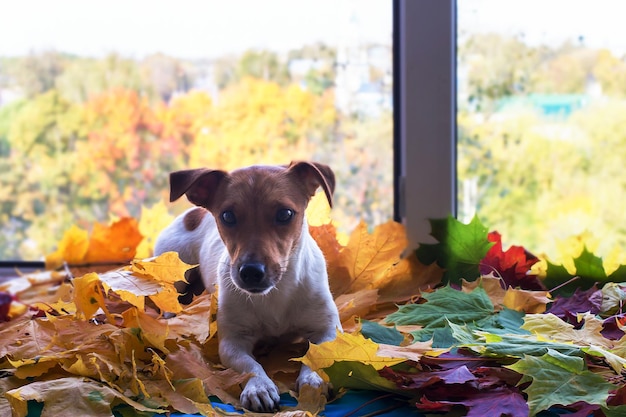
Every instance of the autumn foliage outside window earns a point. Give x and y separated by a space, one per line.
86 140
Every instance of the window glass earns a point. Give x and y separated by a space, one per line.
100 100
541 120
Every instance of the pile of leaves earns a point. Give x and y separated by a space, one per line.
460 325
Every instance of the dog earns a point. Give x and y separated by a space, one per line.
250 237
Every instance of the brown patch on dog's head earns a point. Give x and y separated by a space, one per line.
259 212
193 219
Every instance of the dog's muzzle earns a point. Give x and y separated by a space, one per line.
253 278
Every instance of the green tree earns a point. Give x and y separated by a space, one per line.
37 72
85 78
36 199
264 65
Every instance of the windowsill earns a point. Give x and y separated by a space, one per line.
13 269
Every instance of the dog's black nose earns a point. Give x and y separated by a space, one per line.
252 273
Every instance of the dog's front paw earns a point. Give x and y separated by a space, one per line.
260 394
312 379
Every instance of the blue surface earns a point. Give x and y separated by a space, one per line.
350 403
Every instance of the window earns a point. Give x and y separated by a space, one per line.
541 115
100 100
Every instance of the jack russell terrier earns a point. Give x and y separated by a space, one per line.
250 237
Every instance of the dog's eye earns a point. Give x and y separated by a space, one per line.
284 215
228 218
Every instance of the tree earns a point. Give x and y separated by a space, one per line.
85 78
166 75
37 72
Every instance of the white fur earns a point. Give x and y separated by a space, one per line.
300 305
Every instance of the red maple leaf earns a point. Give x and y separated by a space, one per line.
512 265
5 306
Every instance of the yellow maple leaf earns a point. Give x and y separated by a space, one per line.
318 211
129 287
71 249
30 368
151 222
346 347
406 278
167 300
365 260
115 243
167 267
550 327
154 332
88 296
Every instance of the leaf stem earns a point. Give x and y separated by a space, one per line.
558 287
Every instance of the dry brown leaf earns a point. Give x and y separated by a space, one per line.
356 304
72 396
530 302
197 320
411 352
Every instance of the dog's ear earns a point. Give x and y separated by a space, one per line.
198 184
314 175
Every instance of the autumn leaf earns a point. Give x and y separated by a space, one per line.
381 334
550 327
88 295
115 243
346 347
367 257
460 248
511 342
511 265
589 270
5 306
526 301
151 222
318 211
166 268
435 314
71 249
153 278
558 379
70 396
357 375
501 401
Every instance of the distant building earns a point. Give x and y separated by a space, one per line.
363 82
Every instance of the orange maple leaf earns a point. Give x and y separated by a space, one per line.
115 243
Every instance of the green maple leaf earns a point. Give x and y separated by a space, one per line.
381 334
357 375
589 271
559 379
590 266
460 250
516 344
446 306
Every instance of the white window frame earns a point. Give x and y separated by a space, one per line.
424 114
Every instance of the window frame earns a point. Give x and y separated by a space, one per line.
425 132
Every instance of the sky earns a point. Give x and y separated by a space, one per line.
599 22
211 28
184 28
